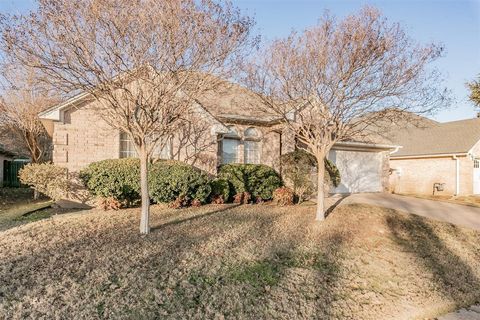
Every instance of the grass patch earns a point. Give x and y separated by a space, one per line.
251 262
257 274
35 216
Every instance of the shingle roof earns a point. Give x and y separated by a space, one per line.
230 101
438 138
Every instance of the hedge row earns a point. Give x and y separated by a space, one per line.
172 180
258 180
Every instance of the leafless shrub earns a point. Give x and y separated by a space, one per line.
46 178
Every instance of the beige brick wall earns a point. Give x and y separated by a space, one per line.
200 152
417 176
269 145
83 138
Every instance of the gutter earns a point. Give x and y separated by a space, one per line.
364 145
439 155
457 174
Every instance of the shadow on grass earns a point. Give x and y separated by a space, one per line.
287 273
456 279
41 213
336 204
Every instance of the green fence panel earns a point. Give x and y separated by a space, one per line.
10 173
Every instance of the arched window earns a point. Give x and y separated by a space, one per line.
230 143
232 132
251 133
251 146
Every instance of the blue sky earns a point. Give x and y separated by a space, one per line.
454 23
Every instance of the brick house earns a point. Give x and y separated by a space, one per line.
233 129
438 153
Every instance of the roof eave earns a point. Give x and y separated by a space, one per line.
431 155
365 145
55 113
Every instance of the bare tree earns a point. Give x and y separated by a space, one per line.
333 81
194 141
143 62
474 88
21 101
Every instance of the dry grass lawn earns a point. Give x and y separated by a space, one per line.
247 262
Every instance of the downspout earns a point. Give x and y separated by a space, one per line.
457 174
395 150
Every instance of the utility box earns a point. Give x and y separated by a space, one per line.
438 186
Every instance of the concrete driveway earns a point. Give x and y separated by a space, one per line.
460 215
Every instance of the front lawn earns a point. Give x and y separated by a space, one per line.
246 262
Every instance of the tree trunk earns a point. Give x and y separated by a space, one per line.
320 215
145 215
36 194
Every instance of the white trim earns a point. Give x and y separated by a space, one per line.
345 145
440 155
55 113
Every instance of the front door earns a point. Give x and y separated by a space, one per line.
476 176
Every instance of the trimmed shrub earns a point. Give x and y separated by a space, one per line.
172 180
283 196
46 178
333 175
220 191
118 179
299 170
258 180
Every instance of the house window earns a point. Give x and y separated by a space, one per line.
230 144
230 150
232 141
127 148
163 150
252 152
476 163
252 146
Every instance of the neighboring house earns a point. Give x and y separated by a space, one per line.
231 128
5 158
439 153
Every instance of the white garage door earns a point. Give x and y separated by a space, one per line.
359 171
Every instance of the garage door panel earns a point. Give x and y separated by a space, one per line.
359 171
